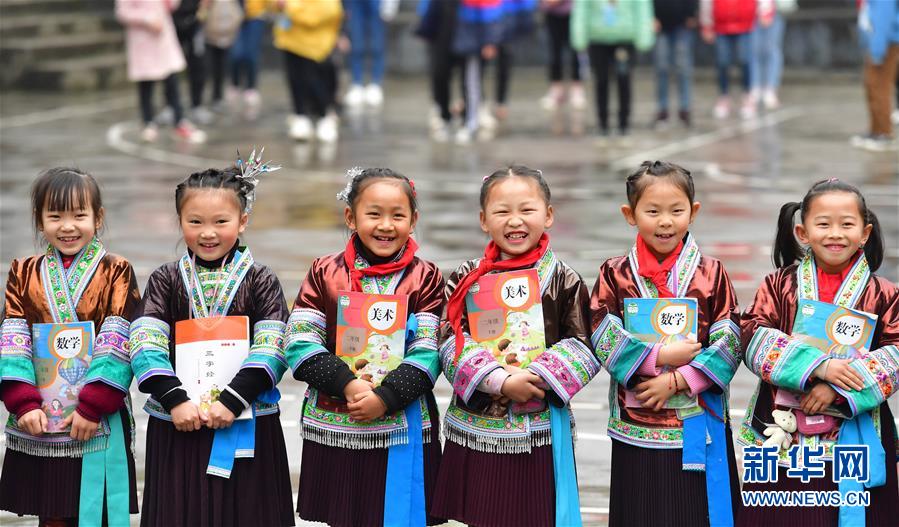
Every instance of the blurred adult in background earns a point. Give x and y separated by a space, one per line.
675 24
767 56
728 24
366 26
878 24
193 45
437 26
221 22
557 19
243 58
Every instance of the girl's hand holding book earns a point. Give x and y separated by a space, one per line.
839 373
654 393
356 387
678 353
187 417
818 398
523 387
219 416
82 428
366 406
34 422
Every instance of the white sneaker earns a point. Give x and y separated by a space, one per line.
440 132
252 99
749 108
299 127
326 128
463 136
150 133
770 100
374 96
722 108
577 98
486 118
354 97
232 95
190 133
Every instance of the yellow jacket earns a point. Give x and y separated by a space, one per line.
308 28
254 9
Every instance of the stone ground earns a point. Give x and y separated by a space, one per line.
744 171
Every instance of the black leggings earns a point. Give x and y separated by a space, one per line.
559 42
312 84
194 55
442 64
604 57
218 58
145 92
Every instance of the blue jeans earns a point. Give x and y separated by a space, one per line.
728 48
244 54
366 31
674 48
766 64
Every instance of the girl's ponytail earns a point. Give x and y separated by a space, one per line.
786 249
874 244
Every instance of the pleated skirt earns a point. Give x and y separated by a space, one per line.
483 489
345 487
883 510
650 488
179 493
50 487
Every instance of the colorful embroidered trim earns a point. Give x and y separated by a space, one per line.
204 307
111 362
15 351
64 287
150 348
305 336
266 352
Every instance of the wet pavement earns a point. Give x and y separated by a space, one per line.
744 170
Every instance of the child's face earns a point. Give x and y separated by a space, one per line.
382 218
515 215
662 216
834 229
211 221
70 230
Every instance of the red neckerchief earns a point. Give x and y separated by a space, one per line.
490 262
349 257
829 284
67 260
657 272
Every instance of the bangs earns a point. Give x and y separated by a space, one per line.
64 189
74 195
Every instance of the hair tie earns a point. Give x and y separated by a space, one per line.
250 170
351 175
412 186
833 179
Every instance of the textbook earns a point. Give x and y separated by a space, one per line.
208 354
661 320
62 355
371 333
840 332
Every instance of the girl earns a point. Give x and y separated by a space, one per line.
357 437
155 55
729 24
520 454
187 483
845 246
74 280
692 483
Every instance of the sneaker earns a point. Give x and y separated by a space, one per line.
463 136
661 121
486 118
550 101
232 95
895 117
770 100
150 133
576 97
748 110
354 96
252 99
685 118
299 127
486 134
435 121
190 133
326 128
374 96
201 115
874 143
166 117
502 112
440 133
722 108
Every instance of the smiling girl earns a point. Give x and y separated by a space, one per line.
355 434
216 276
74 280
843 247
491 455
693 482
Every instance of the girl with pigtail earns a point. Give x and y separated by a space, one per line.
371 449
202 467
841 248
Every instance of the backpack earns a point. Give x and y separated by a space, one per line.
223 19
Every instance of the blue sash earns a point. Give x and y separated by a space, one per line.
236 441
710 457
404 492
106 470
860 431
568 505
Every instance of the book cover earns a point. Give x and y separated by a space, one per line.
371 333
62 355
505 315
208 354
661 320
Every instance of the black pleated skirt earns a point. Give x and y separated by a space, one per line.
649 487
883 511
50 487
482 489
179 493
345 487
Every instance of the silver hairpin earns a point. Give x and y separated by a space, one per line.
250 170
351 175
